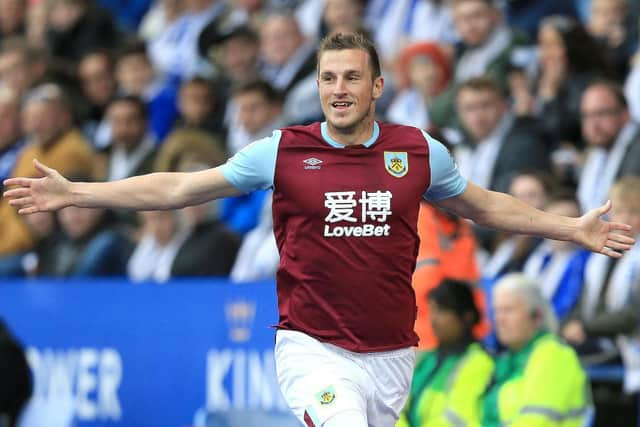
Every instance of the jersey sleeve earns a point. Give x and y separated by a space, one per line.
253 167
446 180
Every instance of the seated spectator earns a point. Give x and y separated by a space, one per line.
613 142
611 25
210 248
423 72
559 266
11 140
51 138
198 109
97 79
76 27
132 149
498 143
188 143
449 381
44 229
605 323
485 48
162 236
507 253
285 56
89 244
136 76
569 58
174 51
447 250
538 380
258 257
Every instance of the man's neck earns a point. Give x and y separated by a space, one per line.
357 135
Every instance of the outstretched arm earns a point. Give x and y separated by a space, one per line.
506 213
154 191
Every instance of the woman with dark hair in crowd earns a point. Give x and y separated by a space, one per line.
448 382
568 59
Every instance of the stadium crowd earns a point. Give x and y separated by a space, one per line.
537 98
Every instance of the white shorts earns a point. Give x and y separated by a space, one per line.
320 380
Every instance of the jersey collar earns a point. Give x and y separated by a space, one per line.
368 143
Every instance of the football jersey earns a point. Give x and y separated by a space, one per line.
345 223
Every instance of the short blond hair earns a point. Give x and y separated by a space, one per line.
626 192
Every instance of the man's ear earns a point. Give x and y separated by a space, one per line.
378 86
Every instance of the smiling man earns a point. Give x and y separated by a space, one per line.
346 194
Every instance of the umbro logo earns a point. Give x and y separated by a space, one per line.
312 163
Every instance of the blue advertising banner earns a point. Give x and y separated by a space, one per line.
111 353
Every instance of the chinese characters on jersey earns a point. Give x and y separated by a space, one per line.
367 209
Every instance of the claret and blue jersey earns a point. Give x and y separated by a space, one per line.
345 223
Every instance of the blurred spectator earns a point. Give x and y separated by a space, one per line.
335 16
449 381
498 143
197 102
52 139
96 72
608 309
527 14
11 140
485 48
613 142
127 13
632 88
188 144
423 72
88 244
234 53
210 248
43 227
136 76
16 385
396 23
12 18
174 51
569 58
609 25
21 65
160 16
509 252
76 27
133 148
162 235
558 267
285 56
538 380
258 111
447 250
258 257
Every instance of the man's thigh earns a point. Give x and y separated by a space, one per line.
318 384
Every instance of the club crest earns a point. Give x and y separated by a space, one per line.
396 163
326 396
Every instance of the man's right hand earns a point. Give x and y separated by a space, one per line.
30 195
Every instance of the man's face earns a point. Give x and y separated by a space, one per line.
347 89
602 117
14 71
9 124
78 222
280 38
474 20
515 324
626 211
127 125
134 74
239 57
254 110
98 82
480 111
43 122
195 102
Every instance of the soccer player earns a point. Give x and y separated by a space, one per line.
345 205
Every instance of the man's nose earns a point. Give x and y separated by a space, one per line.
339 88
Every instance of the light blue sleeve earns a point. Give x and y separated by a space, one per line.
446 180
253 167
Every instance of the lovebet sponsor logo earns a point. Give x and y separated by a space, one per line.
367 211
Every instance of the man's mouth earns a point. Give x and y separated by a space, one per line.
341 105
